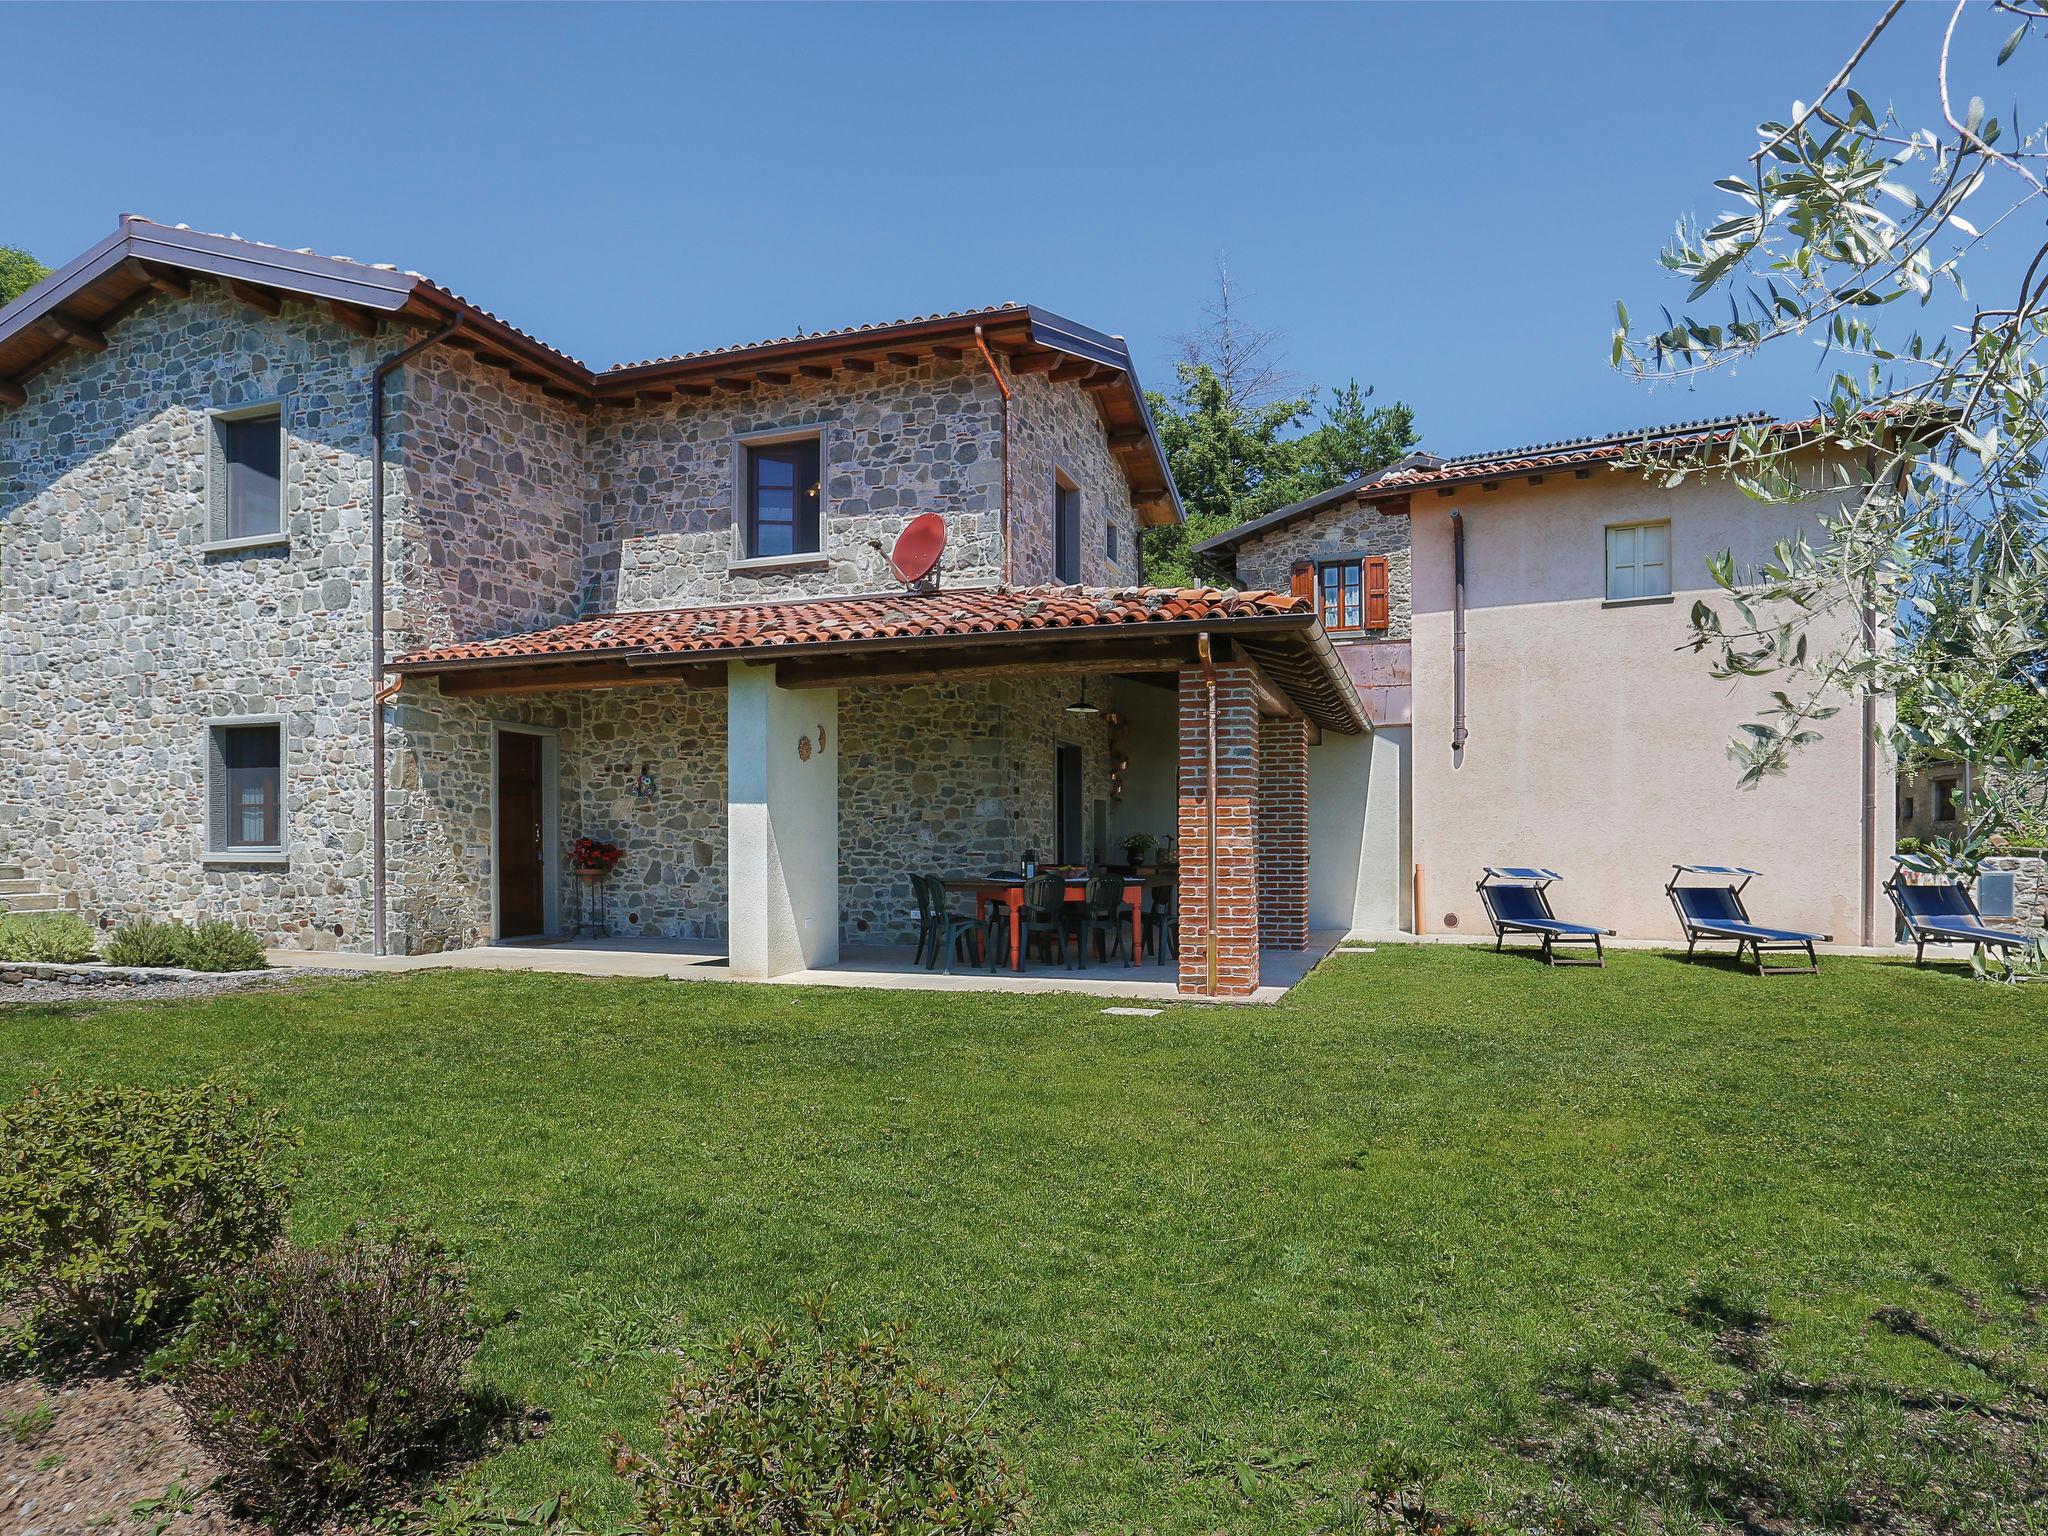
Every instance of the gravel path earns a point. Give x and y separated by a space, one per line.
68 990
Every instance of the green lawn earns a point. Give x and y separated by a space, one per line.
1388 1210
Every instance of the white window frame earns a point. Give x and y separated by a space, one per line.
212 852
217 542
1635 565
744 443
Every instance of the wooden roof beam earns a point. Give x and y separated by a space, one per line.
816 370
361 321
736 386
255 297
1034 362
946 354
773 376
171 284
1128 437
904 359
75 331
1073 368
857 364
12 393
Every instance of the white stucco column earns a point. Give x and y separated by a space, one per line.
782 823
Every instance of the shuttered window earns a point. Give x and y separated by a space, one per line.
245 788
1352 594
1638 561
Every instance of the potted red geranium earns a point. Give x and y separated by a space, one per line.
593 860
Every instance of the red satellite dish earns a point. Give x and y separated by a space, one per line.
918 547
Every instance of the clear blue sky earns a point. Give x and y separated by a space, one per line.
1443 201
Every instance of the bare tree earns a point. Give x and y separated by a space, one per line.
1248 360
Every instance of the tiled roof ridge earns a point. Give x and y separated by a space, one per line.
674 357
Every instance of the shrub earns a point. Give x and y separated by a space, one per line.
116 1204
46 938
148 942
224 946
786 1434
318 1376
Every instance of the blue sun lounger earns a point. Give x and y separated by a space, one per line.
1941 912
1517 902
1715 913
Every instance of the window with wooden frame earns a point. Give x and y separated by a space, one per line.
1638 562
245 788
1352 594
783 494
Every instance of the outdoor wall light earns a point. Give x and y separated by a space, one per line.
1081 706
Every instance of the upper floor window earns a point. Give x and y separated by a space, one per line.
1638 561
782 498
1352 594
245 788
1109 539
1947 799
1066 535
245 482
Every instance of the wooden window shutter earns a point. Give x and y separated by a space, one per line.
1375 591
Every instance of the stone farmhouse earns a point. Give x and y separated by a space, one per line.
335 604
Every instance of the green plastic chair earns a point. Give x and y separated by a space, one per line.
1044 915
1101 913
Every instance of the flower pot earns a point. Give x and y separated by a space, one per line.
591 876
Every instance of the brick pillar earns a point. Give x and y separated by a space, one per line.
1237 792
1283 834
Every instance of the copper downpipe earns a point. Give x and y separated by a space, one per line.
1207 658
981 344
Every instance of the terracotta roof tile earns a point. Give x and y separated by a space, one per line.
881 616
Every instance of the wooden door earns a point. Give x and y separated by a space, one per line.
522 905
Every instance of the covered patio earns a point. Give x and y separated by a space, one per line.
950 734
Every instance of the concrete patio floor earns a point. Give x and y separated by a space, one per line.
867 966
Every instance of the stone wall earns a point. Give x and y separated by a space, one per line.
950 778
2029 868
1350 530
488 540
121 638
507 511
1055 429
897 442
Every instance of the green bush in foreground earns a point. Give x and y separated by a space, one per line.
117 1204
46 938
148 942
789 1434
317 1377
215 946
224 946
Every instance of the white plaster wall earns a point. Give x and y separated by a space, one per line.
1358 832
782 823
1151 802
1598 744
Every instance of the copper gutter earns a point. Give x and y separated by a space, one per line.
1458 731
1207 659
377 689
981 344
